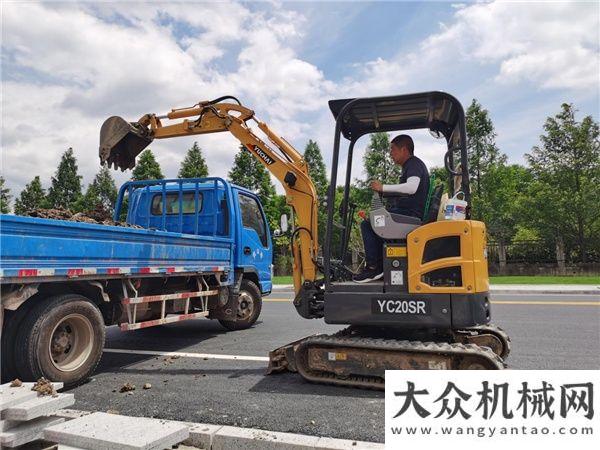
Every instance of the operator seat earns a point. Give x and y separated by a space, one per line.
388 225
391 226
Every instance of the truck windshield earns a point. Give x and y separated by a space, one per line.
172 203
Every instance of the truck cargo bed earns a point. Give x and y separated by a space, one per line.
34 248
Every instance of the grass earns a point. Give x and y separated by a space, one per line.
507 280
284 279
550 279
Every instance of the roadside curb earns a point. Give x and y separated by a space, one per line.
547 291
225 437
511 289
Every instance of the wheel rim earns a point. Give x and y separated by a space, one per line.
71 342
245 305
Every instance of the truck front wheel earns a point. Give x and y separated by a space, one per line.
62 339
248 308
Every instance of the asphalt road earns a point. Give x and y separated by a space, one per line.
547 332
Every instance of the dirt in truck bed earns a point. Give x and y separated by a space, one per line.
98 216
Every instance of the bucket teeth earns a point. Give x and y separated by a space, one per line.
121 142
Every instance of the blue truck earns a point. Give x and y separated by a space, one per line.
190 248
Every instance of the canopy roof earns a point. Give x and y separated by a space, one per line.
435 110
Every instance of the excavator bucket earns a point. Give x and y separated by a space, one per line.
122 141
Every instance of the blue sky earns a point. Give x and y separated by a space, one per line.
66 67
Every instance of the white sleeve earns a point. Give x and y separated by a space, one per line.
410 187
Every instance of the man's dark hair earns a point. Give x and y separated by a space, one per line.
404 140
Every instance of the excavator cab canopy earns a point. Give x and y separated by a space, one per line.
439 112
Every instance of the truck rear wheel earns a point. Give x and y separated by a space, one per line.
61 339
11 326
249 307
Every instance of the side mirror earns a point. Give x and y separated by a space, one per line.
283 223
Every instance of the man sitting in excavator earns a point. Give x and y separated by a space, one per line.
407 198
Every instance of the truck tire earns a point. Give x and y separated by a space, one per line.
10 328
61 339
249 307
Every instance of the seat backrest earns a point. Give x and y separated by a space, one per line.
429 194
434 204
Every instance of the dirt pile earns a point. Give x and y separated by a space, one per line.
44 387
98 216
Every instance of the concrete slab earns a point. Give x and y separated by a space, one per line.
233 438
13 396
201 435
326 443
27 431
102 431
38 406
10 396
7 424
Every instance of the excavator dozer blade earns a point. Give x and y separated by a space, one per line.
121 142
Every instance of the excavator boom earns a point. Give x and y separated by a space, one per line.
121 142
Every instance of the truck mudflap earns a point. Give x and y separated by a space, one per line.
360 361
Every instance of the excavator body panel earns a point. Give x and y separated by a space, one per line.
435 278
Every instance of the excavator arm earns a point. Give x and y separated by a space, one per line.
122 141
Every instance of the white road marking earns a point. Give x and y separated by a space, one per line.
187 355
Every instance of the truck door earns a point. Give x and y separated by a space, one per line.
254 250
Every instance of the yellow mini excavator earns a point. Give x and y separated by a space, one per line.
430 311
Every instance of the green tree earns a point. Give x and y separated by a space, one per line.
316 168
500 206
4 197
282 255
147 168
194 164
563 199
65 189
318 174
481 145
31 198
101 192
441 177
248 172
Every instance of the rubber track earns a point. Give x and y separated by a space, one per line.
484 354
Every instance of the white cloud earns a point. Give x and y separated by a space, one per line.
98 66
550 44
73 65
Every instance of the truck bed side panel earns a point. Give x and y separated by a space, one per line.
33 243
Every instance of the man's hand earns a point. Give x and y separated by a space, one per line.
377 186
